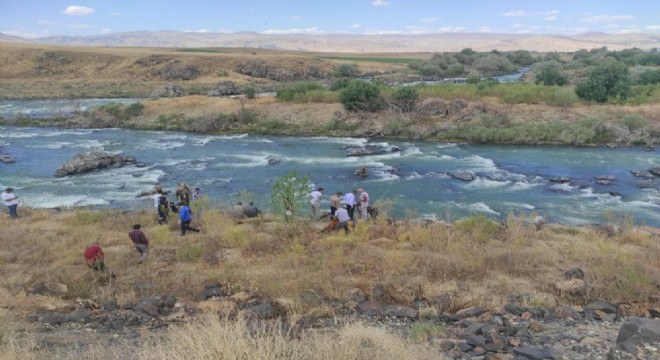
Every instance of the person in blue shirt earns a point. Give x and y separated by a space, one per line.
185 217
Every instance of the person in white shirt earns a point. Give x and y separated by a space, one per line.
341 214
316 202
11 201
349 200
363 200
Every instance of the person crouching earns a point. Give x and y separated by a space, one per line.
140 241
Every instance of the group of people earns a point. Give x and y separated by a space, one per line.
95 258
164 207
239 210
342 207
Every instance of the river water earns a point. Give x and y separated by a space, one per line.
230 168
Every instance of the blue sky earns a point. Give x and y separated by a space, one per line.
32 18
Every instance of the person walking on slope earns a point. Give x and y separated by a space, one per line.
94 257
140 241
363 200
11 201
316 202
349 201
185 217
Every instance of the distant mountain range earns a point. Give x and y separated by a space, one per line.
355 43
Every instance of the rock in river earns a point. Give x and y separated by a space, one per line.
463 175
92 160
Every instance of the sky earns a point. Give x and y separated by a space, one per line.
40 18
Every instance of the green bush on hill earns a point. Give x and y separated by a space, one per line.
361 95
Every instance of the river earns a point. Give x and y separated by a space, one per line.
231 168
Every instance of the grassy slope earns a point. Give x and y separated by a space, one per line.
473 262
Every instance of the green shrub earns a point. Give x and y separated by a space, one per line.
634 122
290 91
480 227
289 195
134 109
250 92
550 75
347 70
361 95
247 116
610 80
405 98
561 96
340 84
190 253
86 217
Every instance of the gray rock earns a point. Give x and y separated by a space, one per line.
7 159
574 273
603 306
565 312
534 353
110 305
463 175
224 88
178 71
92 160
559 180
273 160
211 291
642 174
636 331
356 295
169 300
606 177
264 311
399 311
655 170
465 347
475 340
370 308
168 91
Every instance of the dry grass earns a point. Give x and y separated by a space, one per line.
452 267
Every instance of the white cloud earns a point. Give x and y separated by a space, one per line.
47 22
380 3
607 18
312 30
429 20
652 27
78 26
356 26
77 10
296 17
551 15
515 13
451 29
106 31
198 31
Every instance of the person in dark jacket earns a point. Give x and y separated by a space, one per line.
140 241
185 217
252 211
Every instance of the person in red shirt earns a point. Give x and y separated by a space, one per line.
140 241
94 258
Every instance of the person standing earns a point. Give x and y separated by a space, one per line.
140 241
196 194
349 201
183 193
11 201
363 199
334 203
162 206
316 202
185 217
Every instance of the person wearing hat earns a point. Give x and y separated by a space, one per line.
11 201
140 241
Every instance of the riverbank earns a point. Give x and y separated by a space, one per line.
475 121
424 271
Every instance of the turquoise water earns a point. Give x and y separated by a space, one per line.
230 168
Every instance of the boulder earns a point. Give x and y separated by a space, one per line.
574 273
7 159
655 170
168 91
92 160
560 180
463 175
273 160
636 331
601 305
606 177
224 88
399 311
178 71
211 291
534 353
642 174
370 308
573 287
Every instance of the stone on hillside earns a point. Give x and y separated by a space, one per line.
211 291
636 331
565 312
399 311
263 311
655 170
463 175
110 305
474 311
356 295
92 160
370 308
574 273
573 287
48 289
168 91
178 71
224 88
534 353
475 340
601 305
